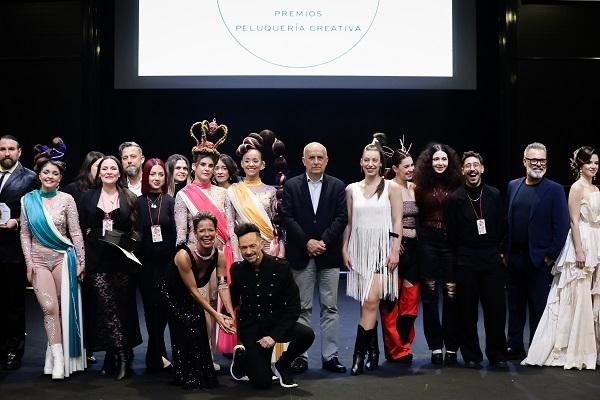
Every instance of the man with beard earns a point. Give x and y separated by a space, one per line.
15 181
538 223
474 224
132 159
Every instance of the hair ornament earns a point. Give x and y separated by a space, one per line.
208 129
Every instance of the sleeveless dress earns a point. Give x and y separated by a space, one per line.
567 334
192 358
369 245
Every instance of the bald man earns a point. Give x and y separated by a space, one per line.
314 215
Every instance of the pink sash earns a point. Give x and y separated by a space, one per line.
225 342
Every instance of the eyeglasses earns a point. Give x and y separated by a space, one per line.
539 161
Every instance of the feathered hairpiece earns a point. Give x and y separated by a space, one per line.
208 129
403 148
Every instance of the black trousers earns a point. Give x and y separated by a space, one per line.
436 263
156 320
12 309
258 359
486 285
528 287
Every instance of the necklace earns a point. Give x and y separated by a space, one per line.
205 258
477 199
153 204
48 195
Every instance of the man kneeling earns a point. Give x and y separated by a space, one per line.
263 288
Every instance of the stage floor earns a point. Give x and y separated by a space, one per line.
390 381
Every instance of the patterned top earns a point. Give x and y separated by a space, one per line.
63 211
433 206
409 214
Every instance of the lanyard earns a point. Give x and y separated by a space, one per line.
477 217
150 212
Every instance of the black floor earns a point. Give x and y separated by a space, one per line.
420 381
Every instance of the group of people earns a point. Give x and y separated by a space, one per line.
231 264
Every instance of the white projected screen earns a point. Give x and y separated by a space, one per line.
295 37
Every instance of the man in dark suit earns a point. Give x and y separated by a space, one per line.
538 223
314 215
15 181
475 227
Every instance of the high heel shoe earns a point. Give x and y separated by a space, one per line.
358 359
110 363
372 353
58 366
49 362
123 364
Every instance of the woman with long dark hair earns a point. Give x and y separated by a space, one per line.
437 174
86 177
178 173
109 216
226 172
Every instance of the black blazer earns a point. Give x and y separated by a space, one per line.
20 182
302 224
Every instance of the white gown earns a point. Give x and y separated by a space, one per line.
567 334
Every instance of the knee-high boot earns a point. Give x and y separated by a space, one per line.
58 368
110 363
358 360
124 360
372 353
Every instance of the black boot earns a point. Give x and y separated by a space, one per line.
403 324
372 353
358 360
109 366
123 364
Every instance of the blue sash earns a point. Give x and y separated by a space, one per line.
40 228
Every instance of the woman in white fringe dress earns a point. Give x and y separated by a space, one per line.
371 249
568 332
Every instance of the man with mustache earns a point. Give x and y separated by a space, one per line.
475 227
538 223
132 160
15 181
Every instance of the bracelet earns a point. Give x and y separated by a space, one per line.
394 235
222 283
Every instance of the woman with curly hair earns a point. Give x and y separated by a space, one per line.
437 174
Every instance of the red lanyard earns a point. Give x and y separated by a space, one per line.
480 205
150 212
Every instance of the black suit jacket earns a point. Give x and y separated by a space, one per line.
302 224
20 182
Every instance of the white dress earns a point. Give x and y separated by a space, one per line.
369 245
567 334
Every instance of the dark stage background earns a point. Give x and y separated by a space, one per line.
538 79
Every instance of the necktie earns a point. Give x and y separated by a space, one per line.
2 179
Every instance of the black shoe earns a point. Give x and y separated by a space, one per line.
450 359
12 362
360 347
109 366
472 365
499 364
123 365
404 360
238 365
372 353
299 366
437 358
285 378
515 354
334 365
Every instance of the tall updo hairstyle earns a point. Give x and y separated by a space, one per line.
378 145
581 156
50 154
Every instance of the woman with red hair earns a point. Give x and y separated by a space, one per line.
157 225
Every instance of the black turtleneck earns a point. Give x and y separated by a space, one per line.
163 215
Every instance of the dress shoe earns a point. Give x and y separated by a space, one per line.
12 362
299 366
437 359
499 364
334 365
450 359
515 354
285 377
472 365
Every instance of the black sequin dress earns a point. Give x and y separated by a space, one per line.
192 358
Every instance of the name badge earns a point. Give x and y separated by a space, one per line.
4 213
156 234
107 225
481 226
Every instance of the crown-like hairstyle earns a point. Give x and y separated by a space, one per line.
204 146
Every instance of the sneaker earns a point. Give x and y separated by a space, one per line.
237 369
285 378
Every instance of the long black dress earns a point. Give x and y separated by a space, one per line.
192 358
111 281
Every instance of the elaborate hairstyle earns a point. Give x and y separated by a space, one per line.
146 175
581 156
170 164
263 141
11 137
471 153
201 216
53 154
426 178
124 145
378 145
397 156
204 147
84 179
121 187
245 228
232 168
